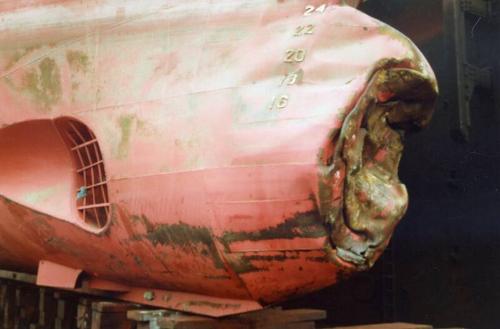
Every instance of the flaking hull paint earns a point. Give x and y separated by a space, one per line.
214 184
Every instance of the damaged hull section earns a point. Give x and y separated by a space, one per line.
207 158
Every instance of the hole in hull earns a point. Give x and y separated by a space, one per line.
55 167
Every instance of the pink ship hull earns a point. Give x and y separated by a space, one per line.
186 154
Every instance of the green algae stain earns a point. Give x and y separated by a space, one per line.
125 122
18 55
130 124
8 81
43 83
77 60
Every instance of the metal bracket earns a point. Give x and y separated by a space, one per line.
466 75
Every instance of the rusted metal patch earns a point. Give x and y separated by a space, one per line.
181 235
302 225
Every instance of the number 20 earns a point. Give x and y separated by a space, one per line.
295 55
312 9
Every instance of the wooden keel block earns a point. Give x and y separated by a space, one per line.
266 319
47 308
301 325
66 310
389 326
111 307
283 316
111 315
147 315
8 306
198 322
38 326
26 306
84 314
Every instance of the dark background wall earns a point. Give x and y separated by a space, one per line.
443 267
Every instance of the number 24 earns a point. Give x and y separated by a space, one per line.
312 9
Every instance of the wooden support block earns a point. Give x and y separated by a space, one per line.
147 319
26 306
47 309
38 326
112 307
389 326
265 319
110 320
156 319
8 306
16 276
299 325
264 313
110 315
198 322
84 314
283 316
3 294
66 310
147 315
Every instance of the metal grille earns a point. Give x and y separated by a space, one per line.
92 196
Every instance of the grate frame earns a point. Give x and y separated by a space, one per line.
91 196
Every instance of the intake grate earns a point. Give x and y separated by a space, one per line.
92 200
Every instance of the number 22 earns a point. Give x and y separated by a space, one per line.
304 30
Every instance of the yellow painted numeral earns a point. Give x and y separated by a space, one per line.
295 55
280 102
304 30
292 78
313 9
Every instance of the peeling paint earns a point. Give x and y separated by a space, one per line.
269 258
241 265
179 234
302 225
218 277
182 235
